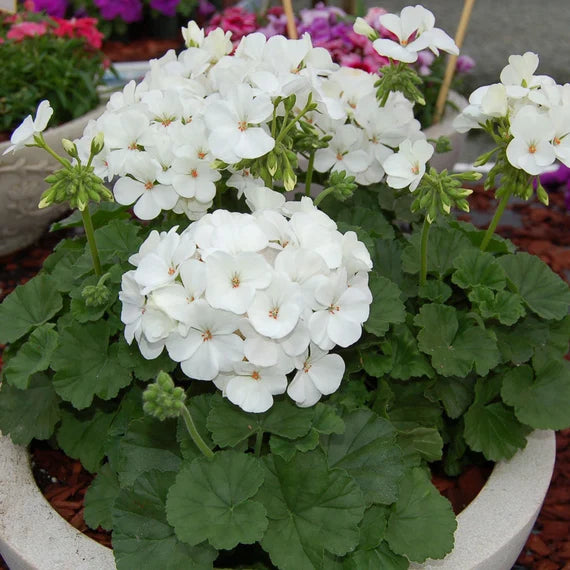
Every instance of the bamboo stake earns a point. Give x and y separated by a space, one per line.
452 61
291 28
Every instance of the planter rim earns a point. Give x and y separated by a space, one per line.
502 514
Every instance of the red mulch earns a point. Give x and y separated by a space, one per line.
139 50
541 231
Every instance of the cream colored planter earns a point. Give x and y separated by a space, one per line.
22 183
445 128
490 534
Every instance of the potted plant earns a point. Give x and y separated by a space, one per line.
261 382
42 58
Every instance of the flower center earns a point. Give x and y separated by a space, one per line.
206 336
306 366
256 376
532 148
274 313
148 186
133 145
242 126
171 271
166 122
556 141
194 173
201 154
415 169
235 281
339 155
332 309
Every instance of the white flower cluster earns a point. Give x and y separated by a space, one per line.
536 109
163 135
244 299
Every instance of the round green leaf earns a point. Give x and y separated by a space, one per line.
142 535
211 500
100 498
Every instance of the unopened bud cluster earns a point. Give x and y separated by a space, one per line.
163 399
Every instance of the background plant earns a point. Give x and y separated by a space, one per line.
45 58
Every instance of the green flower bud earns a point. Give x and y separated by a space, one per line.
162 399
69 147
541 193
97 295
271 163
97 144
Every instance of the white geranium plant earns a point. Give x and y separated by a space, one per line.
255 346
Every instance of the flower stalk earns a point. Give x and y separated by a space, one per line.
196 437
90 234
495 221
424 251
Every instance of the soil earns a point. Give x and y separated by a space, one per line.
139 50
534 228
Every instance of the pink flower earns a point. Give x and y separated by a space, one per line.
373 17
80 28
235 20
26 29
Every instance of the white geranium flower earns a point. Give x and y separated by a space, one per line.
318 374
274 311
252 387
340 312
24 134
234 125
231 281
414 28
531 149
193 35
408 165
210 346
194 178
560 117
150 197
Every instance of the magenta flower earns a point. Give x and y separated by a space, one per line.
26 29
128 10
55 8
166 7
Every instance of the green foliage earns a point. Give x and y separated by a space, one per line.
100 498
386 308
212 500
61 70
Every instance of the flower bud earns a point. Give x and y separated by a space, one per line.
363 28
97 143
69 147
162 399
193 35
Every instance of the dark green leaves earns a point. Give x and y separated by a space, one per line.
34 356
31 413
86 366
475 267
386 308
28 306
542 290
421 523
454 352
543 401
212 500
367 451
310 509
100 497
142 536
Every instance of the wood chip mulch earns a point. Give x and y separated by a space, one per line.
539 230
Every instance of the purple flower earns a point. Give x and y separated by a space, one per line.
205 8
166 7
55 8
127 10
464 64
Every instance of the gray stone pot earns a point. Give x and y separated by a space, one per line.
22 183
490 534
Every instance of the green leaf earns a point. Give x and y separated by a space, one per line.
542 402
130 357
370 220
491 427
444 246
373 526
543 291
517 343
230 425
86 366
212 500
28 307
423 442
421 522
504 306
100 498
81 436
326 419
31 413
456 394
117 240
60 265
286 448
379 558
310 509
403 357
387 307
454 352
141 534
33 356
475 267
435 290
148 444
411 407
367 450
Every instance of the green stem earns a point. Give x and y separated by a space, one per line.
309 177
90 233
258 443
49 150
196 437
291 124
423 252
323 195
495 221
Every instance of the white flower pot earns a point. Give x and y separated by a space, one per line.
445 128
491 531
22 183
